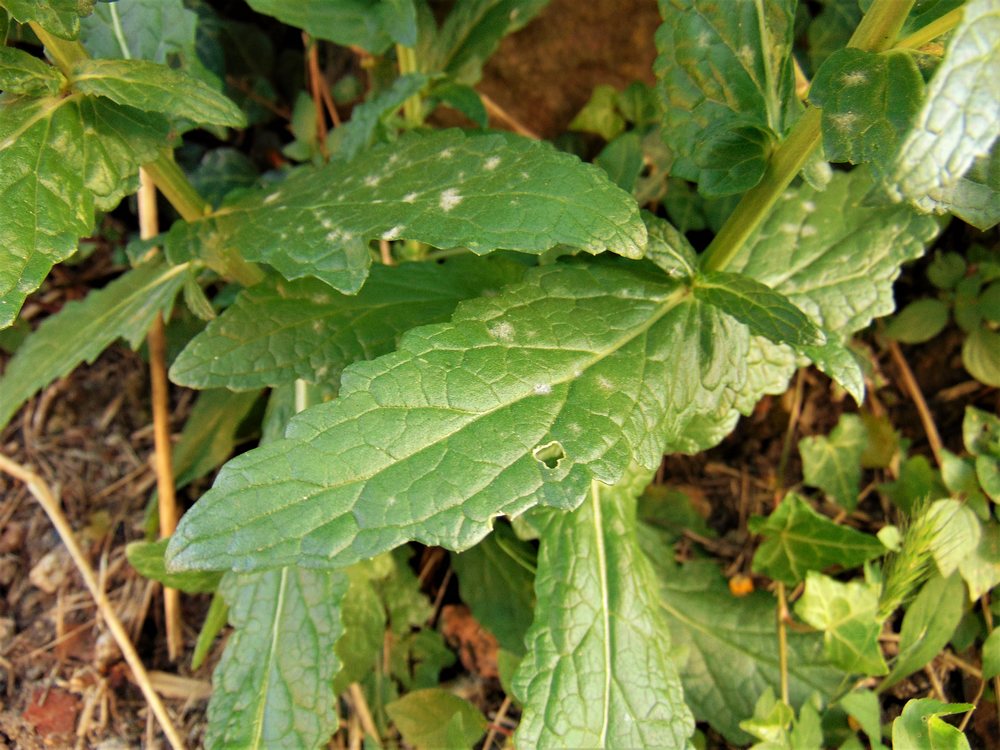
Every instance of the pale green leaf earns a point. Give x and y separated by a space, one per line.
59 17
669 249
869 101
991 655
799 540
496 579
278 331
21 73
764 311
597 628
471 33
919 321
863 706
847 613
273 687
981 356
152 87
371 24
928 625
975 198
981 568
833 462
600 114
960 118
210 432
59 159
722 67
956 533
147 559
81 330
485 193
159 30
359 133
921 728
568 376
728 645
434 718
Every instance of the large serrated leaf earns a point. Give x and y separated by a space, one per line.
371 24
59 17
59 158
730 644
278 330
598 629
960 118
485 193
723 67
152 87
21 73
568 376
273 687
79 332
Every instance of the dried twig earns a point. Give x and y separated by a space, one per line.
496 723
50 504
913 389
499 113
362 711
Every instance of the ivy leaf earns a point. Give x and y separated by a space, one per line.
728 645
485 193
569 376
278 331
962 101
147 559
869 102
273 686
471 34
597 627
847 613
434 718
81 330
725 71
59 158
920 725
151 87
495 578
833 462
21 73
799 540
371 24
59 17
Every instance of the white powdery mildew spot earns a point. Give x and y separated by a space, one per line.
605 384
492 163
746 56
372 180
788 228
326 224
854 78
409 197
543 389
447 153
502 331
843 121
273 197
449 199
393 233
808 207
317 326
809 230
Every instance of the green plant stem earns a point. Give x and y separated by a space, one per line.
933 30
783 642
876 32
164 172
412 107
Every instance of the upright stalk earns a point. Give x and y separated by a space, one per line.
876 32
412 107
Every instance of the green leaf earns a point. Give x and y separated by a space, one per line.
975 199
359 133
147 558
863 706
724 69
462 98
957 532
471 34
59 157
799 540
946 270
991 655
921 728
59 17
21 73
371 24
569 377
278 331
981 435
732 158
929 623
622 159
981 356
918 481
215 621
831 28
980 569
597 628
79 332
728 645
919 321
764 311
600 114
869 101
833 462
669 249
847 613
152 87
445 189
210 432
962 101
273 687
434 718
496 580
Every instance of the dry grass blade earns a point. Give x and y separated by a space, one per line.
50 504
